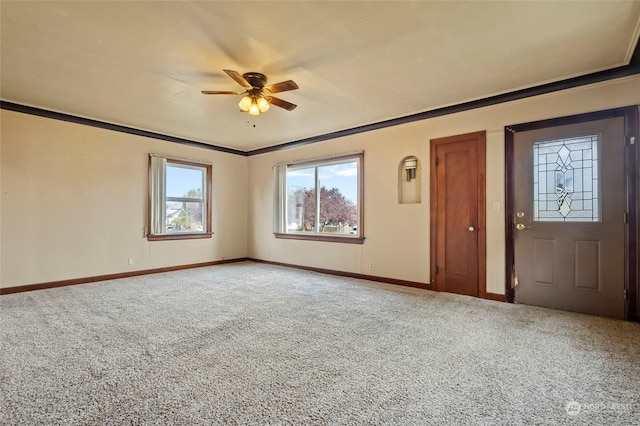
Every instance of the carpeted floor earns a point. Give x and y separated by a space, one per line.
250 343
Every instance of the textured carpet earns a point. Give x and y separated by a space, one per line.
250 343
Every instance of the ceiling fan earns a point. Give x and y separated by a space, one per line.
257 96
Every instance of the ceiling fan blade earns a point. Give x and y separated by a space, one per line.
238 78
281 103
283 86
220 92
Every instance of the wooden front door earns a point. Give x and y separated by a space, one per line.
569 217
458 214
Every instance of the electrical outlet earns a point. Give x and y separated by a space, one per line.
372 266
131 261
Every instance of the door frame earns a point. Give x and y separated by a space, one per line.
481 137
632 183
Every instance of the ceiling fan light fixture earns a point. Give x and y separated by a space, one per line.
254 109
263 104
245 103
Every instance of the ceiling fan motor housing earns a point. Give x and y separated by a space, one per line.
255 79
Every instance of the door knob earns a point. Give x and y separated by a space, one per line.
521 226
471 229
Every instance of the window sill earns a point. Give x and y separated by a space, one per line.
179 236
318 237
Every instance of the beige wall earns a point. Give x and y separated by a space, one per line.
397 236
74 202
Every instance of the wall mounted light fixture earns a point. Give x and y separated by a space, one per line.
411 165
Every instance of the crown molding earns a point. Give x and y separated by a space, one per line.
25 109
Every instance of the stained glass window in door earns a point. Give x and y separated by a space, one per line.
565 180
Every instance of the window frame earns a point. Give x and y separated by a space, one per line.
190 235
326 237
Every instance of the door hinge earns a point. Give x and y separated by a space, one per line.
632 140
625 294
626 217
437 269
437 161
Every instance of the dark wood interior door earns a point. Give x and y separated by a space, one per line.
457 214
569 237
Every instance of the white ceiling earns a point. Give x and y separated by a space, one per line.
143 64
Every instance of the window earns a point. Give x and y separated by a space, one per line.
180 201
320 200
565 180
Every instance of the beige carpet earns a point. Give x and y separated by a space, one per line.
250 343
